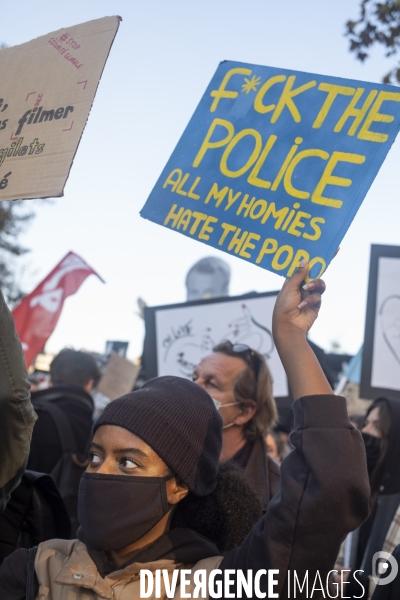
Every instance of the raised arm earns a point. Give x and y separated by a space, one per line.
17 416
295 312
324 483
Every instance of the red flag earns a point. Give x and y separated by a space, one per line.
37 315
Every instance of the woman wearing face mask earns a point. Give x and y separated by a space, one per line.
155 465
381 434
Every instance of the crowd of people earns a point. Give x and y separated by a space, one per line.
197 475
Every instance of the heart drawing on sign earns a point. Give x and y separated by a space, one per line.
389 315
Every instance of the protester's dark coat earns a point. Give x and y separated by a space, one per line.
262 471
371 536
17 416
77 405
324 495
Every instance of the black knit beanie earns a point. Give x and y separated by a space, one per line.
178 420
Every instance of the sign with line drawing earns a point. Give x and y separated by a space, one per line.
381 354
180 335
274 164
47 88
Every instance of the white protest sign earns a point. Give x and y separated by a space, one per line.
179 336
380 371
47 88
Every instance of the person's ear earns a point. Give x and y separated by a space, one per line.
176 491
88 387
247 412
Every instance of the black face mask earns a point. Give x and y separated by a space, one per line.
373 450
116 510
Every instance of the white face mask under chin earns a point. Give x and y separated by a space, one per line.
226 426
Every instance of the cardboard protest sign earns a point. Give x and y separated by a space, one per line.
118 378
274 164
46 93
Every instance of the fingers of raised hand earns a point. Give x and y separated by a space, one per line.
318 285
310 293
300 275
312 300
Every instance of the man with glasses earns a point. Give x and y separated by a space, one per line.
239 381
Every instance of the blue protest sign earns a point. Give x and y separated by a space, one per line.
274 164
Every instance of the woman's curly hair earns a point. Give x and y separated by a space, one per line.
226 515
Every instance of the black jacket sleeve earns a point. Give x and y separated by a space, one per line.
46 449
13 574
324 495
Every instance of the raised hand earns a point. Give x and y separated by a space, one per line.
296 310
298 305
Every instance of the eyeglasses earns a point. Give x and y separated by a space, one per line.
248 356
